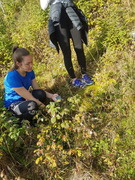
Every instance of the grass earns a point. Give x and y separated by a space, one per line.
102 127
92 133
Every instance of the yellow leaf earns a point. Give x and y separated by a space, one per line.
38 160
53 146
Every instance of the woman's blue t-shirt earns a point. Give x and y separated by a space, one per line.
14 80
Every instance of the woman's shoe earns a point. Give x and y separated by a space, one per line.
78 83
86 80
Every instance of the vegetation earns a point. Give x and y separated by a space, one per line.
91 131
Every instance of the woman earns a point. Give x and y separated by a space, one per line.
17 82
67 21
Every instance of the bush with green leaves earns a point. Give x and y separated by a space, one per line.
5 47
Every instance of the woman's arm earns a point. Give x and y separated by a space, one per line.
44 3
49 95
35 84
27 95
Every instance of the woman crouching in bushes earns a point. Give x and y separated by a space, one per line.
19 79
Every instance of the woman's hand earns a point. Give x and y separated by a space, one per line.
55 97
